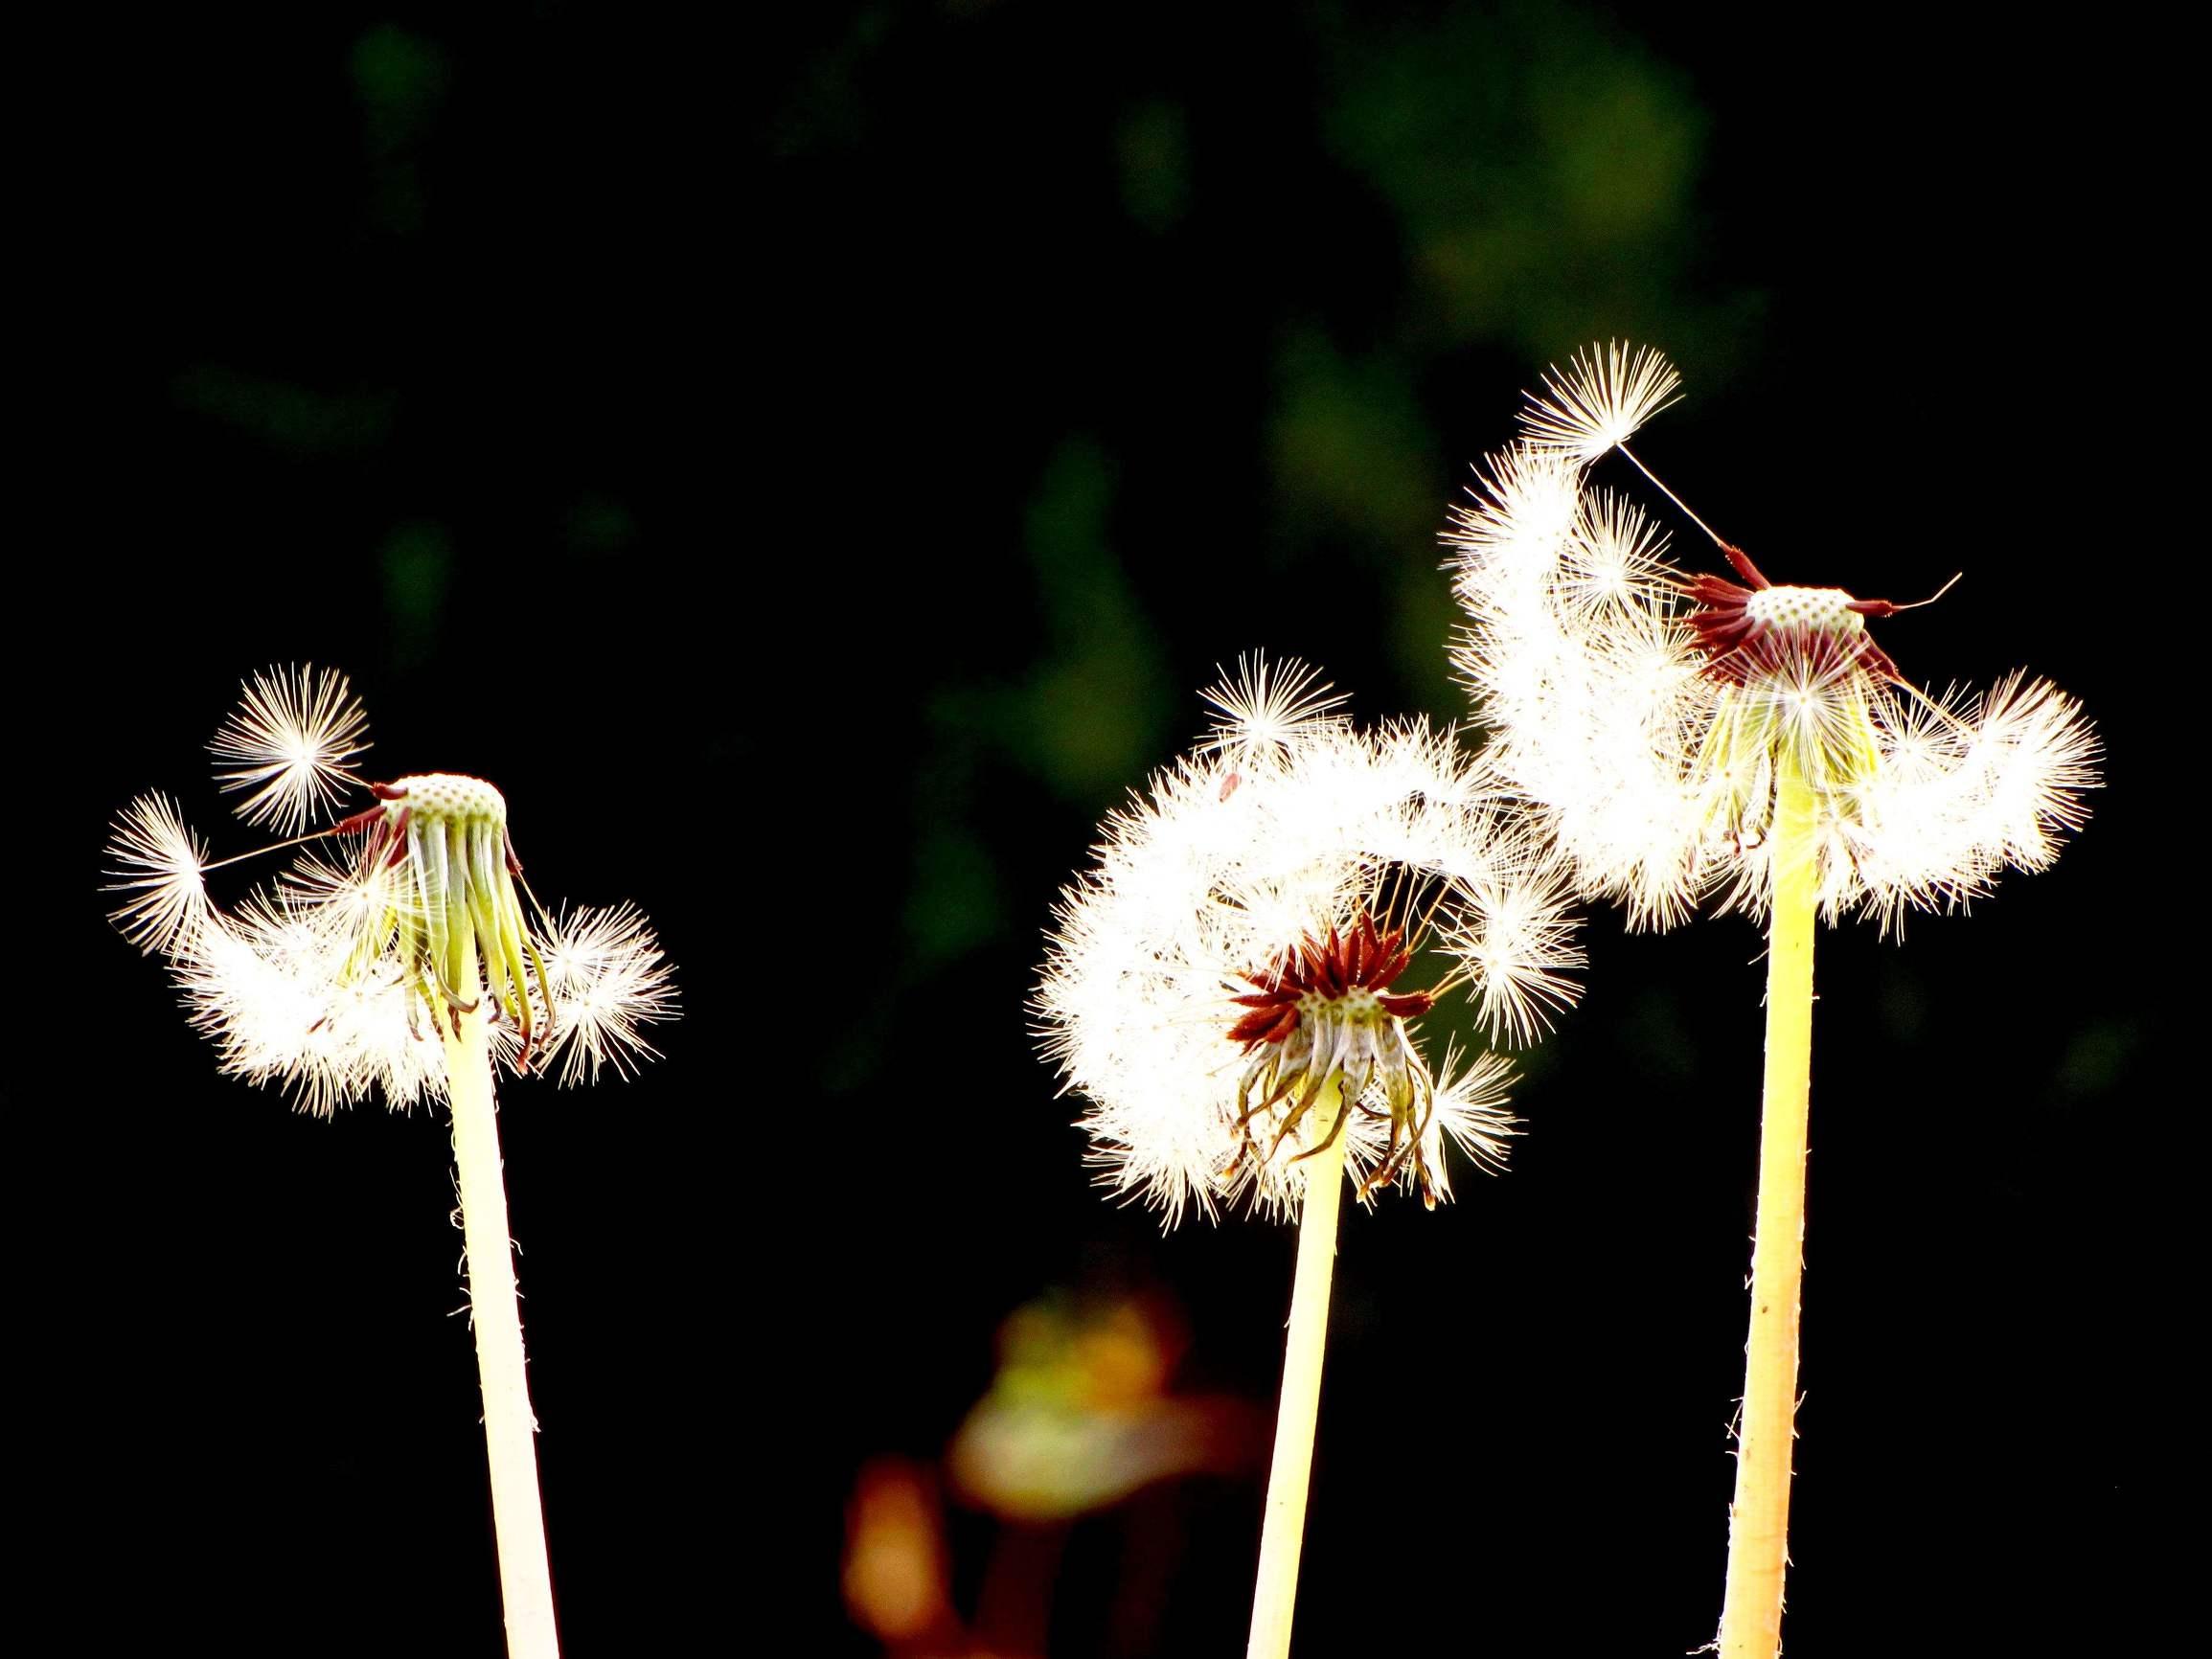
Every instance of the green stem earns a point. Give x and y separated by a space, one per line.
1281 1537
525 1581
1759 1520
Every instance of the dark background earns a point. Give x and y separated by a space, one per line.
811 466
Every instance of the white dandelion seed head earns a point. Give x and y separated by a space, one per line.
1233 951
291 743
1645 710
342 978
1604 395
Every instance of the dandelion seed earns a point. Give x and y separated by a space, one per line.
290 743
1605 394
153 856
1268 707
604 977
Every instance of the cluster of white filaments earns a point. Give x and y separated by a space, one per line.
291 744
340 980
1647 712
1244 944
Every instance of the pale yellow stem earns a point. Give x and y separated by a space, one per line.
1283 1534
1759 1520
525 1581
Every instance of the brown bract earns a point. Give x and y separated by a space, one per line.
1329 967
1738 642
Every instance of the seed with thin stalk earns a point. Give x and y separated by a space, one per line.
291 742
154 858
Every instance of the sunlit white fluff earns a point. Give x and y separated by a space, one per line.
307 983
1657 775
1284 823
605 978
291 744
160 866
1599 400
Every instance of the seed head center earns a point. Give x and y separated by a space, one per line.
444 796
1344 975
1326 1013
1805 610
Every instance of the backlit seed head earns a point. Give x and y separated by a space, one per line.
1645 710
387 929
1245 940
436 851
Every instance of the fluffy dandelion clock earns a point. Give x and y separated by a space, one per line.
1247 940
1656 714
1690 735
391 923
1237 987
400 955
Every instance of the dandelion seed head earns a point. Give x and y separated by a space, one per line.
1646 710
1233 953
289 744
340 978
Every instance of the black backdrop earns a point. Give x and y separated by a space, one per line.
811 466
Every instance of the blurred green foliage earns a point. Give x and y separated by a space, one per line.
1153 146
1087 721
1093 714
401 80
291 419
2099 1057
1542 166
1351 448
416 565
599 526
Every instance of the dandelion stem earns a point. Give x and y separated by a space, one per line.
1759 1520
525 1581
1283 1534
